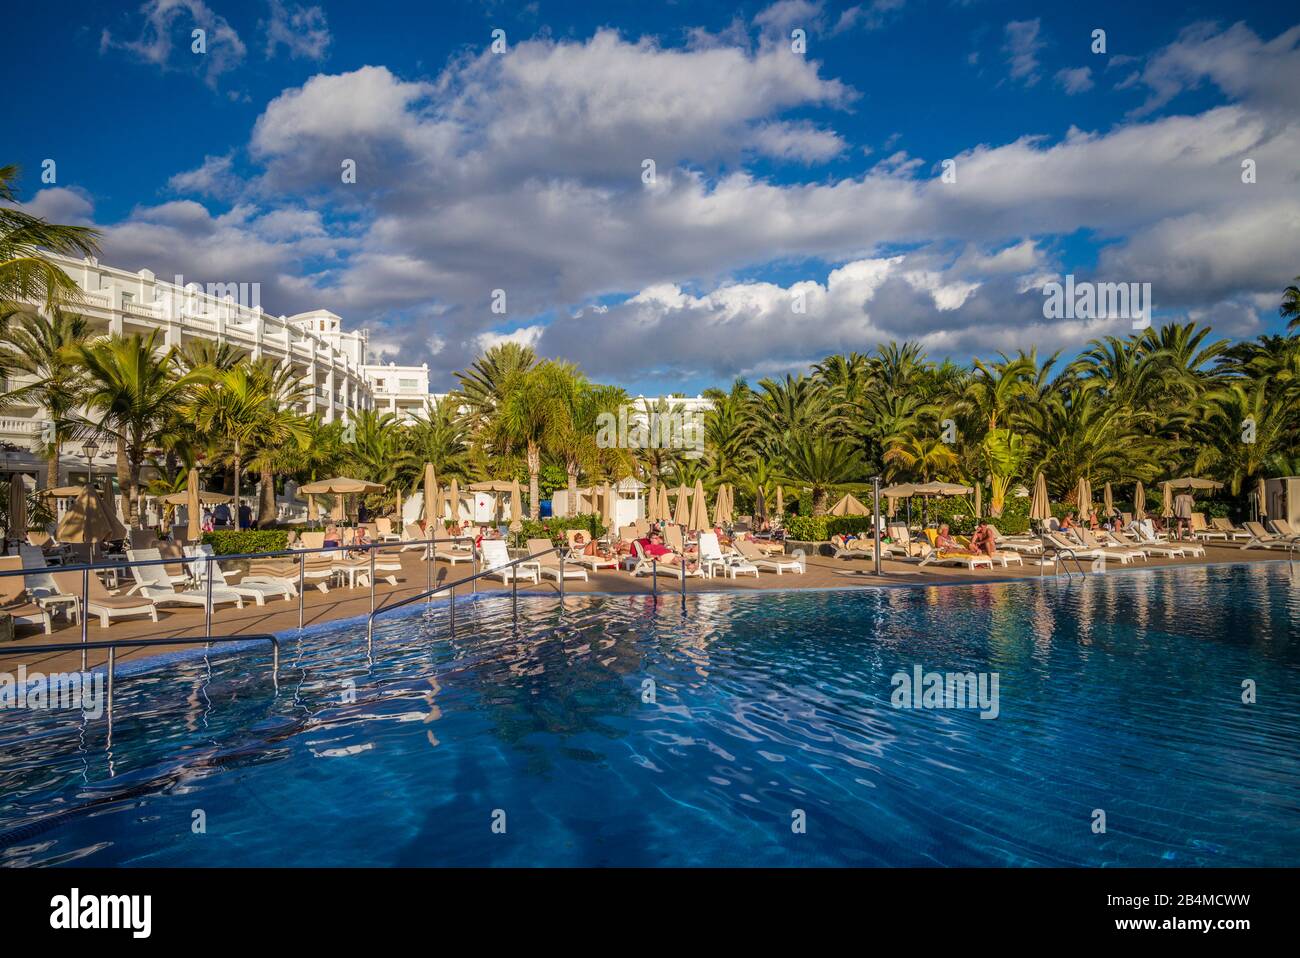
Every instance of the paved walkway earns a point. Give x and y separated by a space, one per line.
281 616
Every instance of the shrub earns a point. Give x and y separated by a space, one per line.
555 529
232 542
821 528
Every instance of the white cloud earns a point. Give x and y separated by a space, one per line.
1076 80
1022 48
303 31
166 22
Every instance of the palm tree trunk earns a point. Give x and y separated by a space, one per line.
534 489
133 490
266 511
239 468
572 468
123 480
818 501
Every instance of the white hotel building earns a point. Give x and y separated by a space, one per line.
330 362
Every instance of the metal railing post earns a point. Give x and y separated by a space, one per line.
561 552
207 606
85 612
373 548
302 584
654 577
682 569
112 668
875 518
452 607
429 559
514 597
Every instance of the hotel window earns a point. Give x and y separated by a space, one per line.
408 384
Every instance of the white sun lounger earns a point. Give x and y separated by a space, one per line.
153 582
257 589
496 563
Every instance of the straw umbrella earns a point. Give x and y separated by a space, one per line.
699 509
1139 501
849 505
1039 506
516 507
652 502
683 514
88 520
193 510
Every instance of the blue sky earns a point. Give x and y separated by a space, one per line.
782 176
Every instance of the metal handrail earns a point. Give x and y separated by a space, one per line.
114 644
1066 551
1290 555
301 554
429 593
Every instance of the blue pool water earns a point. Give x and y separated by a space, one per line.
1120 693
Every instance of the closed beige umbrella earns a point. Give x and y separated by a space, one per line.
1139 501
722 511
665 514
193 509
432 507
1084 495
683 514
516 508
17 508
337 513
1040 508
312 513
1107 502
780 501
652 502
1261 498
979 498
453 495
607 506
760 506
398 507
699 509
1167 507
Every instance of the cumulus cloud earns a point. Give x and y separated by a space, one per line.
524 173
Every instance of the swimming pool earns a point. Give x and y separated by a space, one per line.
753 729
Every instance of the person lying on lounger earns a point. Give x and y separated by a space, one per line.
982 542
944 541
653 547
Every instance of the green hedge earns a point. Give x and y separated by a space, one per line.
555 529
821 528
231 542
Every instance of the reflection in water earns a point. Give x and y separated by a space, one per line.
1119 692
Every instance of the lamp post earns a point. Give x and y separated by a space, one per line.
90 448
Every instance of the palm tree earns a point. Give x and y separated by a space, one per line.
483 385
920 457
279 428
1290 308
521 420
27 274
819 464
229 407
47 350
131 385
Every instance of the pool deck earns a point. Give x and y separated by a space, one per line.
280 616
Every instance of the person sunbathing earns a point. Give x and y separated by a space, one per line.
944 541
983 542
653 548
